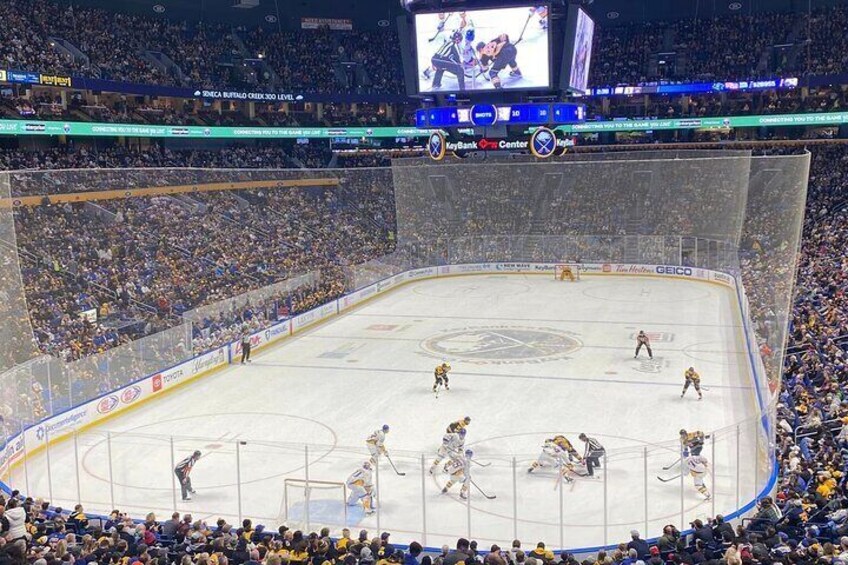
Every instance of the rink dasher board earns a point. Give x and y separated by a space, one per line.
66 424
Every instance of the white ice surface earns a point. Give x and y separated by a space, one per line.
531 357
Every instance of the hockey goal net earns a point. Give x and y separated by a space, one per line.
313 502
567 272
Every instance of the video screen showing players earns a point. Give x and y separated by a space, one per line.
499 48
581 56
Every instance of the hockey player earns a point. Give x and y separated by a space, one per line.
593 453
376 443
496 55
694 379
554 456
691 443
458 425
566 273
459 469
183 472
643 340
697 465
361 486
441 375
452 445
565 445
551 456
542 13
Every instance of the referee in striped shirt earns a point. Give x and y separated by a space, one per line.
183 470
592 455
449 59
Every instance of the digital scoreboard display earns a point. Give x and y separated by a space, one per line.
483 115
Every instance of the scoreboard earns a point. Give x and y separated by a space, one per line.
484 115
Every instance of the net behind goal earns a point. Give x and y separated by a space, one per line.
313 502
567 272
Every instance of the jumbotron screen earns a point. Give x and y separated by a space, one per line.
497 48
581 55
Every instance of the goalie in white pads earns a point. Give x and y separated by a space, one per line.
697 465
360 483
376 443
459 469
452 445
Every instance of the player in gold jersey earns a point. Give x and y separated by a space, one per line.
693 379
441 375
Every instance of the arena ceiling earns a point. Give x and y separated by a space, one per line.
373 14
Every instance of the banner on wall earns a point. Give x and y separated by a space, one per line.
335 24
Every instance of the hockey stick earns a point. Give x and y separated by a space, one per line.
481 464
670 465
393 466
670 478
520 37
444 25
489 496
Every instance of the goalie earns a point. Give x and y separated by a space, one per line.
567 274
360 483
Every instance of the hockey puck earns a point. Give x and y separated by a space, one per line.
243 442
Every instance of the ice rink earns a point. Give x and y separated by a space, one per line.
531 357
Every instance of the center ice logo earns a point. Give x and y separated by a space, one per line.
502 344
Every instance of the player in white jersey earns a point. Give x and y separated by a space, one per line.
697 465
360 483
376 443
459 469
554 456
452 445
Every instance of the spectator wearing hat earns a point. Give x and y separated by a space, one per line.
386 548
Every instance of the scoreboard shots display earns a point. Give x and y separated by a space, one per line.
482 50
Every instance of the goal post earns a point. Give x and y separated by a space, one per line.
567 271
313 502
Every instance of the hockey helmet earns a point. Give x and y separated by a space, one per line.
467 419
456 36
385 428
462 432
366 465
469 454
197 453
469 34
682 432
582 436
